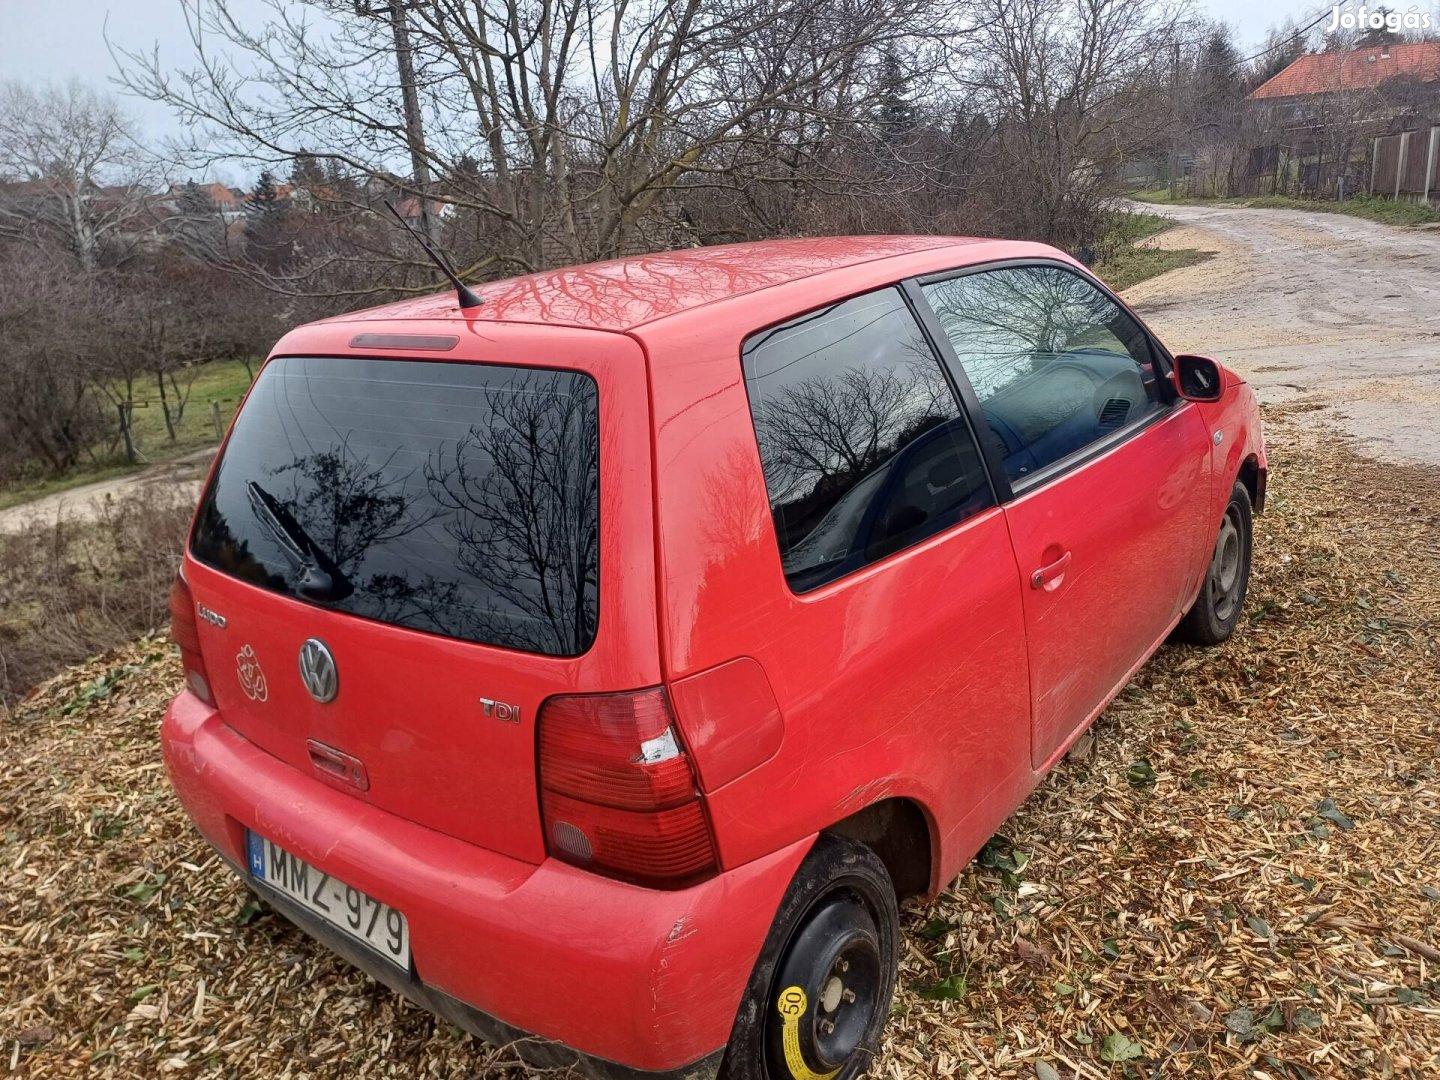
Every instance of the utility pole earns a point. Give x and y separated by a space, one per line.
1175 121
410 97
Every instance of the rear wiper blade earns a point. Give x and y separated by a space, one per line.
320 578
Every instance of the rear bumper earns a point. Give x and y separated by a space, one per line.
621 980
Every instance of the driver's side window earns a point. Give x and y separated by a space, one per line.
1056 364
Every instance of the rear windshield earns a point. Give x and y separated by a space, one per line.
457 499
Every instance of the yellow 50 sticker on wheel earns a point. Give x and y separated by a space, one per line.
792 1004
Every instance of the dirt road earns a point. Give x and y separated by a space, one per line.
87 502
1316 308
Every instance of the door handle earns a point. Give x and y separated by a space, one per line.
1048 577
338 765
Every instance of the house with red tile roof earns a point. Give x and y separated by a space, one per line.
1318 120
225 198
1353 70
409 209
229 202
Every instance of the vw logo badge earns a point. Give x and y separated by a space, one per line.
317 670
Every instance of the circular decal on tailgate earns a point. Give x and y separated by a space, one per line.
252 679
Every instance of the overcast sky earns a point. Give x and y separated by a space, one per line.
56 40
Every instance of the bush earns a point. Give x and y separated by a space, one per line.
72 587
49 415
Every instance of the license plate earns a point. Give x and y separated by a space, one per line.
357 915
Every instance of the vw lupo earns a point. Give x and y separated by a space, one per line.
603 663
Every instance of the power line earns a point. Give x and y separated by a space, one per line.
1281 44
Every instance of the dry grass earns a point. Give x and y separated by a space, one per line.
70 588
1237 877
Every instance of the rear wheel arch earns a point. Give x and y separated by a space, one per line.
900 832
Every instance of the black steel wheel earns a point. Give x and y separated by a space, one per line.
1216 611
820 992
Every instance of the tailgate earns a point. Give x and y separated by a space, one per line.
397 560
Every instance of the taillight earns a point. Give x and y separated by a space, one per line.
617 792
185 632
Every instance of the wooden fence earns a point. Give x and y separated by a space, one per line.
1407 166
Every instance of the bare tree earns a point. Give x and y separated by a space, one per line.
554 131
48 414
1211 90
1075 88
78 179
1283 45
164 316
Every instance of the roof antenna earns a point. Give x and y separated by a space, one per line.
468 299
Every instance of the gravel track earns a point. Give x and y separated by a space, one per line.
1334 312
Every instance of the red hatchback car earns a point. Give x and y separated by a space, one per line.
603 663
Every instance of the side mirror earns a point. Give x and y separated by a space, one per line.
1198 378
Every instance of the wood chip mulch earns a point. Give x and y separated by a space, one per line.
1234 875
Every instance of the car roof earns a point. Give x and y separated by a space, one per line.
622 294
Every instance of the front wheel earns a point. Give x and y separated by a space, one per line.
820 993
1216 611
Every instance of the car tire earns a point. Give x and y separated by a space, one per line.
1216 611
819 995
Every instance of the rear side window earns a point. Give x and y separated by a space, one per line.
862 442
456 499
